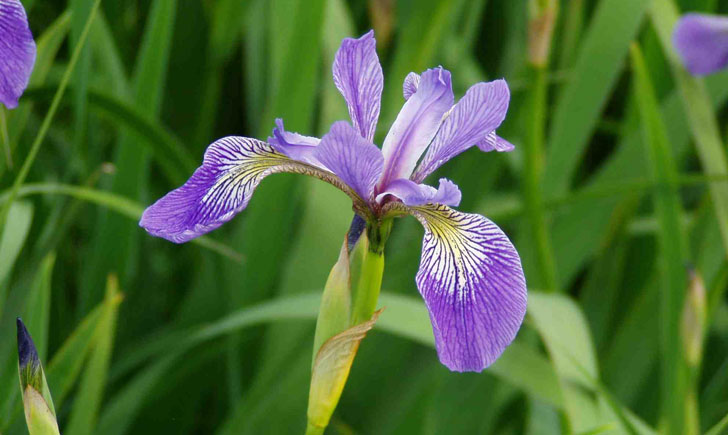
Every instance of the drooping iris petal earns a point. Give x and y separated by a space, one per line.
358 76
17 52
222 187
352 158
702 42
410 85
294 145
413 194
481 110
416 125
493 142
472 281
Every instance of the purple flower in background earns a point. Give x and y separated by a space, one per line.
17 52
470 274
702 42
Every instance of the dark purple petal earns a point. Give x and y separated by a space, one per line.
17 52
352 158
473 284
702 42
474 117
416 125
358 76
294 145
219 189
493 142
410 85
413 194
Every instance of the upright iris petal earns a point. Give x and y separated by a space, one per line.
352 158
702 42
358 76
473 284
474 117
17 52
416 125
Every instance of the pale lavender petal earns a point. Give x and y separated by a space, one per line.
294 145
17 52
416 125
219 189
702 42
472 281
474 117
358 76
352 158
410 85
493 142
413 194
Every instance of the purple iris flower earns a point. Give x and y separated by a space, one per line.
702 42
470 274
17 52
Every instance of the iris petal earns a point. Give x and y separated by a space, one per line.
413 194
222 187
352 158
358 76
410 85
702 42
17 52
471 279
481 110
416 125
294 145
493 142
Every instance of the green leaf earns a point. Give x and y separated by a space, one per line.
597 67
13 238
90 393
699 111
673 248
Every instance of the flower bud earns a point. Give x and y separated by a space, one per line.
542 17
40 414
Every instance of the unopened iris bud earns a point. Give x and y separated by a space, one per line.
693 319
40 414
542 17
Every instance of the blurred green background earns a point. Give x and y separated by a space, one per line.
616 198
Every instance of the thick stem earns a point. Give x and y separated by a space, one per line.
368 283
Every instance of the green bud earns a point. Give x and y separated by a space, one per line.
40 415
693 319
542 17
334 313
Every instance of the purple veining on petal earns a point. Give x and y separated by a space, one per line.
410 85
416 125
219 189
474 117
294 145
17 52
358 76
493 142
472 281
413 194
702 42
352 158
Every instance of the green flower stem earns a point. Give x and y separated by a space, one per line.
5 139
312 429
367 273
533 199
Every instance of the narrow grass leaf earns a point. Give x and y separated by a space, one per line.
91 388
673 247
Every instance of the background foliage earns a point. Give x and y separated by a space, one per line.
216 336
